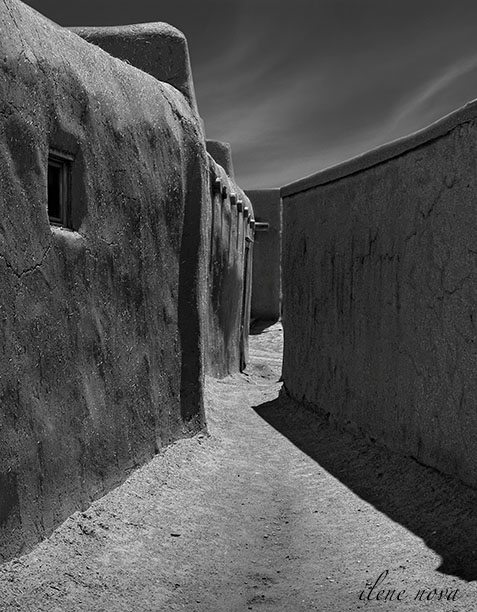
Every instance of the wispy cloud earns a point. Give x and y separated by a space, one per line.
296 86
429 102
332 87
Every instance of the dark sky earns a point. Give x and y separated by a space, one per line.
296 86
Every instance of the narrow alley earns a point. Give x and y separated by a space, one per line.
275 510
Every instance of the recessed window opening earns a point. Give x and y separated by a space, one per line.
59 188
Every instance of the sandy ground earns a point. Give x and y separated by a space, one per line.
275 510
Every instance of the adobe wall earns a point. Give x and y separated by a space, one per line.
380 294
230 275
266 283
102 324
221 152
156 48
161 50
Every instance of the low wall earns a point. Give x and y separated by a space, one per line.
102 321
380 294
266 283
230 274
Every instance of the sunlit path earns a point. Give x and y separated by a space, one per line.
264 514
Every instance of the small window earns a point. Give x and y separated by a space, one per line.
59 188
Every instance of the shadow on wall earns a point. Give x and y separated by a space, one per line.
266 283
437 508
380 293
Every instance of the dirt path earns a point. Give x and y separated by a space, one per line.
275 511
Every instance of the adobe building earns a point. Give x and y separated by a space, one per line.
126 254
112 305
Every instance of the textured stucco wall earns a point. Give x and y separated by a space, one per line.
266 280
156 48
229 275
380 294
222 154
101 325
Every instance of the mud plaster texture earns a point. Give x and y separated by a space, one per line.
229 289
103 323
222 154
380 294
276 511
156 48
266 279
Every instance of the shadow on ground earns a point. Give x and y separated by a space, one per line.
437 508
258 326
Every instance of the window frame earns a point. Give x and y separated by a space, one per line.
63 162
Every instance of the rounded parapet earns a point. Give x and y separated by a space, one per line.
222 154
156 48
